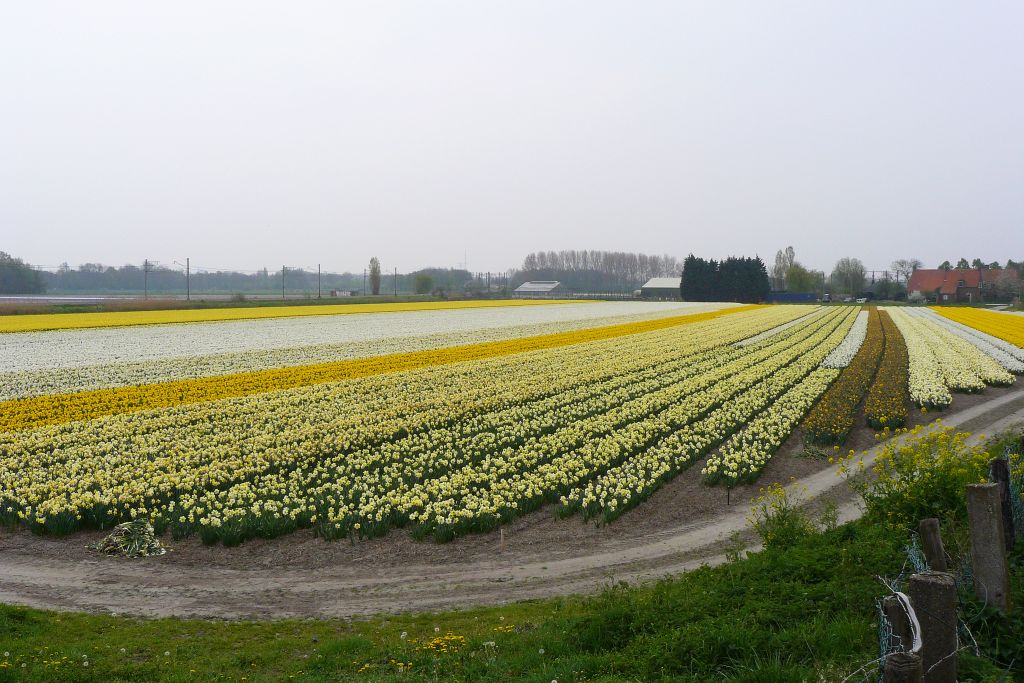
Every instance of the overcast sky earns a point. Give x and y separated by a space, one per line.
254 134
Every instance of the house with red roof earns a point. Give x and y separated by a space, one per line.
969 285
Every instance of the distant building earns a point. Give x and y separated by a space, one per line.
540 289
662 288
968 285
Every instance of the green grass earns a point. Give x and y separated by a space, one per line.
778 615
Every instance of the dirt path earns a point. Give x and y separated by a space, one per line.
684 525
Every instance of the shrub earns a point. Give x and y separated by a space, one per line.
779 519
922 475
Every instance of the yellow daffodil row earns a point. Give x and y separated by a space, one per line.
1006 326
886 403
708 420
68 321
366 454
834 416
940 361
56 409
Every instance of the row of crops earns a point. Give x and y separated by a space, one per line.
589 418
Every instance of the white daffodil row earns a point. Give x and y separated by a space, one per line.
1003 352
960 357
65 376
941 361
813 311
315 456
844 353
709 422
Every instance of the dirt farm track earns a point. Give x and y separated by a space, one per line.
681 526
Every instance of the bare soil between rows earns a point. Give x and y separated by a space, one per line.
682 525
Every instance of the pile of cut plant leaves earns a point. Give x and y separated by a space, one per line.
131 539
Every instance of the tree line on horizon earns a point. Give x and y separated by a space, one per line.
589 270
18 277
578 270
741 279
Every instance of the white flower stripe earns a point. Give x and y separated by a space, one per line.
844 353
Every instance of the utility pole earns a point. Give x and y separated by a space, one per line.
145 279
188 285
364 282
396 282
318 281
283 268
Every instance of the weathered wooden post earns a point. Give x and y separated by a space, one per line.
933 595
1000 469
901 638
988 545
931 544
903 667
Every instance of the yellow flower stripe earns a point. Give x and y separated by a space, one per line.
43 410
67 321
1007 327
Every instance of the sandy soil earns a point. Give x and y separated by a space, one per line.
682 526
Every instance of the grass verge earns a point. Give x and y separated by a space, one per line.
793 613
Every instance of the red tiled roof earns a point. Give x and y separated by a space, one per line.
948 281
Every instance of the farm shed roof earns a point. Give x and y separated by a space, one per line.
538 286
662 283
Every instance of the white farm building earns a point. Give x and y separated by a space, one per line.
540 289
661 288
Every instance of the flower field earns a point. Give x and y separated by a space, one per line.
1009 328
449 433
70 321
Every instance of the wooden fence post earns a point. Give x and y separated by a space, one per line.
931 544
903 667
933 595
901 638
1000 469
988 546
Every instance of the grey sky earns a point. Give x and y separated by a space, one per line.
248 134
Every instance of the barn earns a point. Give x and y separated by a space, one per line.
662 288
540 289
